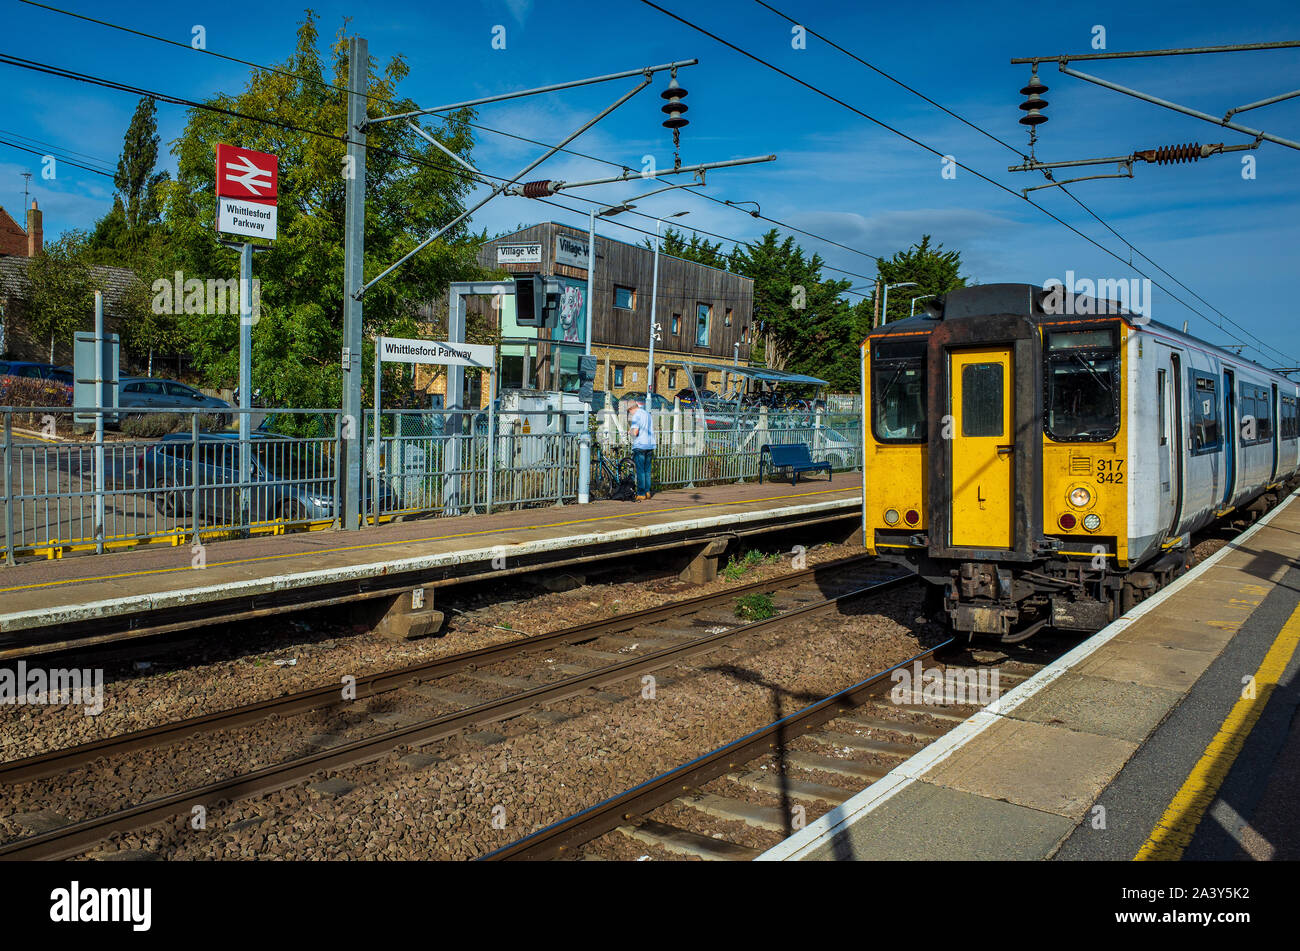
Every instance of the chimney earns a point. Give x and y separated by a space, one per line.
35 236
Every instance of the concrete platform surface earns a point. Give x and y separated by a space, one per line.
1171 734
83 589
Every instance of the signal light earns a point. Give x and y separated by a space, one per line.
1092 521
891 516
1034 101
1067 521
912 516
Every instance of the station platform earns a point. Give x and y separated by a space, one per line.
65 603
1172 734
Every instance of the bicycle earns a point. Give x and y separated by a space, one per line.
613 478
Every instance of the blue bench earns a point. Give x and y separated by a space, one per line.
792 456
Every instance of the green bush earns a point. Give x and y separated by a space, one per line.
154 425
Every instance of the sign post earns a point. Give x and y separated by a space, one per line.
404 350
247 191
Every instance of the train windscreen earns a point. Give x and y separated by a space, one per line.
1082 369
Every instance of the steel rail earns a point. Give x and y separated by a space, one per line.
559 839
74 839
53 762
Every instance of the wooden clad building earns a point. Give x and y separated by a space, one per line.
705 314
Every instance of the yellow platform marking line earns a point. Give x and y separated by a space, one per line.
410 541
1173 833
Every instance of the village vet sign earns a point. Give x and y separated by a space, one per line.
399 350
247 191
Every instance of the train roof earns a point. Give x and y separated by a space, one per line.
966 303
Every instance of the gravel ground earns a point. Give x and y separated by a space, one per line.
235 666
486 794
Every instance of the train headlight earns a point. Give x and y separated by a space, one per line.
1092 521
1080 497
891 516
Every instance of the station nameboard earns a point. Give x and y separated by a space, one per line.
405 350
247 192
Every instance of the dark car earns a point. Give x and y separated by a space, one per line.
659 401
292 480
154 393
36 371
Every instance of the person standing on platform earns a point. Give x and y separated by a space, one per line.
640 427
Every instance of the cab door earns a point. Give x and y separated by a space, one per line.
983 447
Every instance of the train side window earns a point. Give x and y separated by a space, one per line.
1256 415
1206 436
981 399
1288 419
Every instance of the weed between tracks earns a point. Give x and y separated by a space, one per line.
755 607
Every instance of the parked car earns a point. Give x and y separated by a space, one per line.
157 393
37 371
686 395
291 480
659 401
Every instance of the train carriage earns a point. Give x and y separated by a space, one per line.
1044 462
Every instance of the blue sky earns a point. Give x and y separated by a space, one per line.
1231 239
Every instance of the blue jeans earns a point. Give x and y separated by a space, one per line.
641 459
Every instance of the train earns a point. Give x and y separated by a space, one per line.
1042 459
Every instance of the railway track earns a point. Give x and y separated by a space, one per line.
632 644
735 802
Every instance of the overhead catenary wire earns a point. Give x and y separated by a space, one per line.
1005 144
289 126
978 174
386 101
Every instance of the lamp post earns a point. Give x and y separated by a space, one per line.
654 303
884 307
915 299
584 441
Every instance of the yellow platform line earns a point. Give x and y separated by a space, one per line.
1173 833
413 541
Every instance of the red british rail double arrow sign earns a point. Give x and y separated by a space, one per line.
247 189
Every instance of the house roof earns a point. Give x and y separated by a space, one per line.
12 235
113 281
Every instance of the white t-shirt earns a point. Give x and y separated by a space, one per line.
645 435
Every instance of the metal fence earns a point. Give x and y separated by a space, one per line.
173 477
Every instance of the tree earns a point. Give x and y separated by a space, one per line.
61 298
804 321
137 182
697 249
129 229
411 190
934 270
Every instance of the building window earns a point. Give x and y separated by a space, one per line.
624 298
677 323
672 379
727 321
702 325
618 376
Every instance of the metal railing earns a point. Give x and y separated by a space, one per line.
172 476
